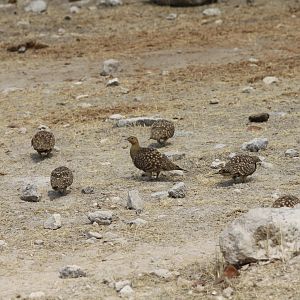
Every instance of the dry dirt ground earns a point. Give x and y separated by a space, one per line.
205 61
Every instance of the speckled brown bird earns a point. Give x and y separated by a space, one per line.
61 178
43 142
286 201
150 160
240 166
162 130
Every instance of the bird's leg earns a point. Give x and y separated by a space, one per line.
157 174
234 179
162 142
243 179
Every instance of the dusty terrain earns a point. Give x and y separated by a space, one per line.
205 61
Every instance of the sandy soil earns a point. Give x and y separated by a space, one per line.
205 61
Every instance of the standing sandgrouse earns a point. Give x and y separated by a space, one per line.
162 130
240 166
43 142
149 160
60 179
286 201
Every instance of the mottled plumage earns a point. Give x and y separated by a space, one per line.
43 142
240 166
61 178
286 201
149 160
162 130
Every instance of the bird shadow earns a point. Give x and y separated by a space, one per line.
35 157
144 178
231 182
55 194
158 145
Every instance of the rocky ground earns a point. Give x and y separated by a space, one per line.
172 67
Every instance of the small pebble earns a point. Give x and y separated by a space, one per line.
102 217
214 101
211 12
94 234
134 201
88 190
37 296
71 271
255 145
217 164
248 89
291 153
126 291
120 284
39 242
178 190
30 193
171 16
53 222
113 82
270 80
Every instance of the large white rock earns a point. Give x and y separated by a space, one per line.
262 234
36 6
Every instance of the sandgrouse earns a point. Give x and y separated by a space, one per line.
43 142
60 179
240 166
162 130
150 160
286 201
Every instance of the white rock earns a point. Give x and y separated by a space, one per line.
116 117
2 244
177 172
138 121
37 295
110 67
94 234
211 12
126 291
219 22
291 153
71 271
247 89
220 146
270 79
39 242
262 234
44 127
253 60
30 193
36 6
171 16
53 222
74 9
175 155
217 164
134 201
110 2
232 154
227 293
214 101
160 195
101 217
137 222
178 190
255 145
120 284
164 273
22 130
113 82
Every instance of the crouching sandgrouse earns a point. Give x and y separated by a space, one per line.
286 201
150 160
162 130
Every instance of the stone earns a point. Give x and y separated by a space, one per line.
3 244
74 9
101 217
120 284
126 291
138 121
110 67
248 89
164 273
291 153
211 12
116 117
111 2
37 296
171 16
262 234
137 222
134 201
232 154
113 82
178 190
88 190
160 195
30 193
270 80
217 164
71 271
220 146
53 222
174 155
255 145
44 127
36 6
94 234
227 293
253 60
39 242
214 101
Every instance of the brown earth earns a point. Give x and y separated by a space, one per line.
205 61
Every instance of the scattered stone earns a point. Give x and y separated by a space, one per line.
291 153
217 164
220 146
262 234
211 12
111 2
88 190
74 9
120 284
71 271
110 67
165 274
174 155
259 118
44 127
255 145
227 293
101 217
137 222
134 201
39 242
2 244
160 195
116 117
36 6
138 121
214 101
232 154
171 16
53 222
248 89
178 190
37 296
94 234
165 73
253 60
30 193
270 80
219 22
22 130
113 82
126 291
